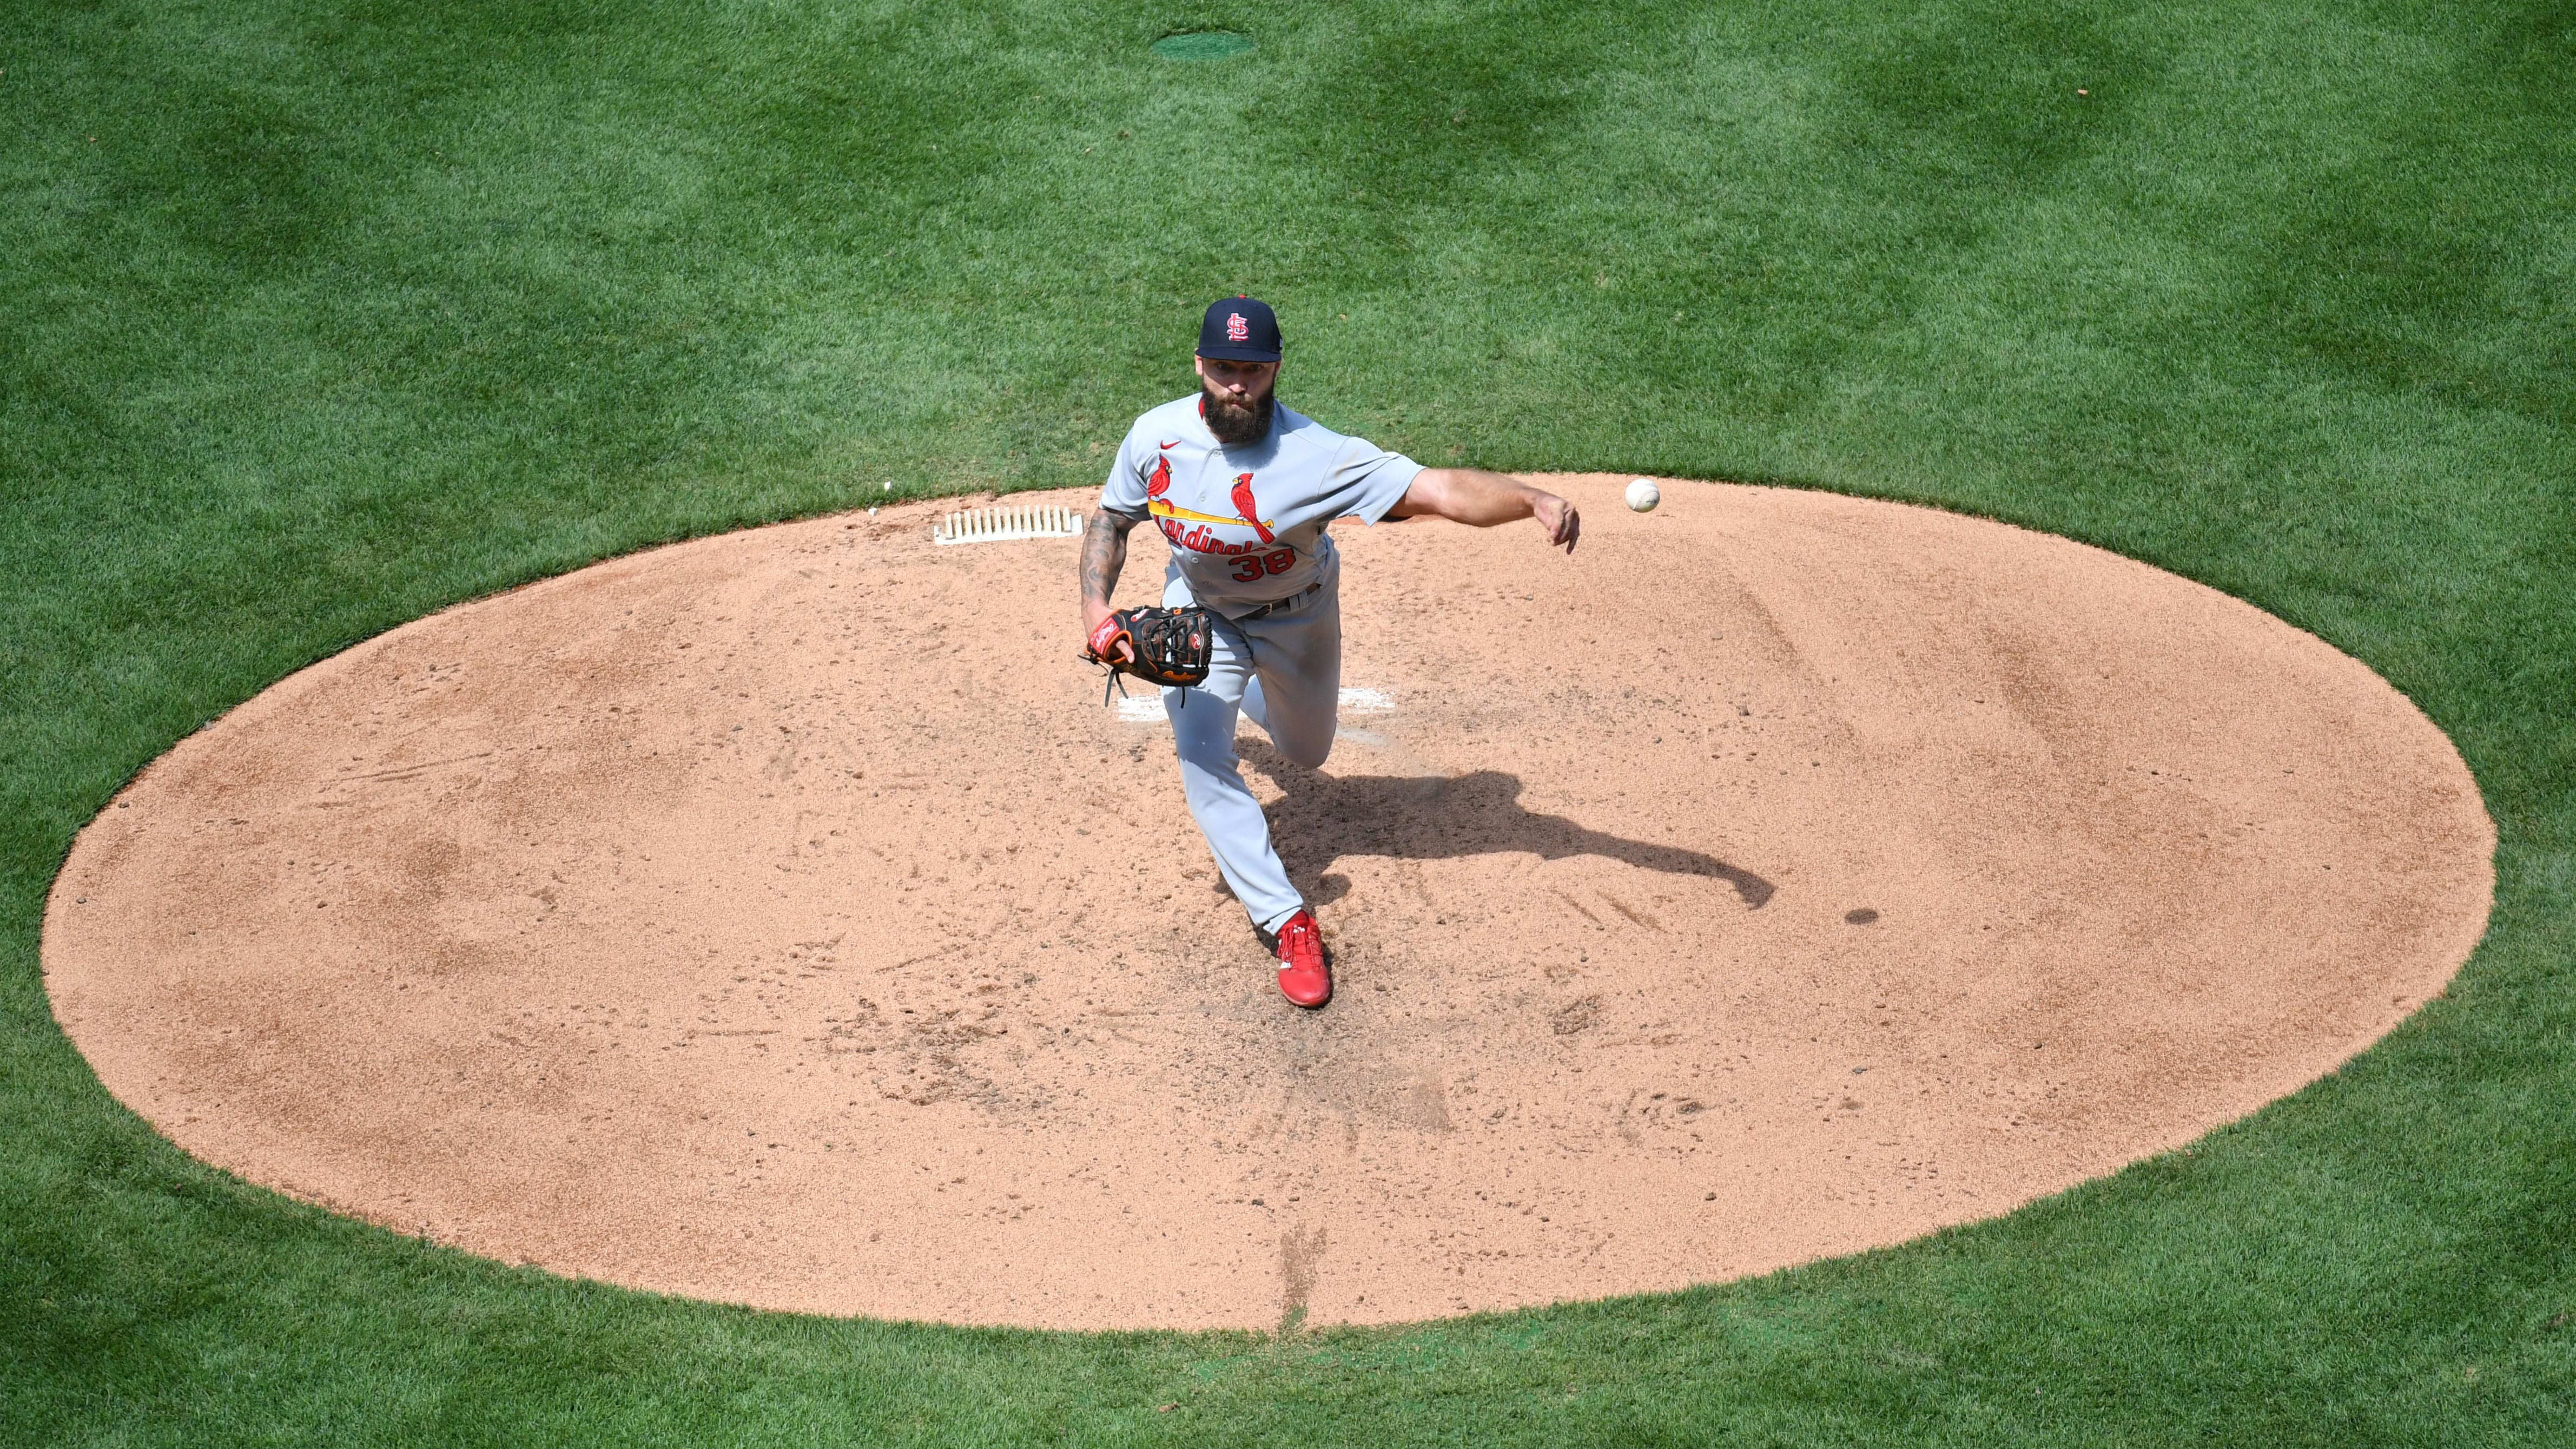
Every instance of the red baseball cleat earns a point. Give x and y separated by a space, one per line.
1303 977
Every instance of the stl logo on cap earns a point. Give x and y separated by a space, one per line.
1236 329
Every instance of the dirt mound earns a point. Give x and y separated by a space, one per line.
1782 875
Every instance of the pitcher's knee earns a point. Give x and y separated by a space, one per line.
1214 761
1309 753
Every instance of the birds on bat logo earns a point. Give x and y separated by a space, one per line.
1175 519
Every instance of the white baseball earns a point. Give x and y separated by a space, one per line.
1643 495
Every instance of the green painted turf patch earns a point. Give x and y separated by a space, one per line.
1203 45
321 317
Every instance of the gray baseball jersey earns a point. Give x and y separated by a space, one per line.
1247 522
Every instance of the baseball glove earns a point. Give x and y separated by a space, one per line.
1165 646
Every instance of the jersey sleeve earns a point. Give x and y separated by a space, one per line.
1366 480
1124 493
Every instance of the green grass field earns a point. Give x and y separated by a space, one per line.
321 316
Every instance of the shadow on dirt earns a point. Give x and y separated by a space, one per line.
1326 817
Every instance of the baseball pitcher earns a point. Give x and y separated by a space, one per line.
1244 490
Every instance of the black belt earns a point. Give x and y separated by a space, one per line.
1275 605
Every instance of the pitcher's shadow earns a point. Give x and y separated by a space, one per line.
1323 818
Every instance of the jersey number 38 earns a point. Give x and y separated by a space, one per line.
1251 567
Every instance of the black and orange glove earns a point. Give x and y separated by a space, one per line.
1164 646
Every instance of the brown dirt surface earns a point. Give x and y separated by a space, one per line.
781 918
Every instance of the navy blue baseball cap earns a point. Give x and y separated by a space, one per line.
1240 329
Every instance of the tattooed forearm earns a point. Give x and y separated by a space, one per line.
1104 554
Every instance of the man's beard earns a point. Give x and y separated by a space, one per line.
1233 424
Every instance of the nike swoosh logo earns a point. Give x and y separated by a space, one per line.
1174 443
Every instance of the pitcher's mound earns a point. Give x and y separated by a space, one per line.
781 917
